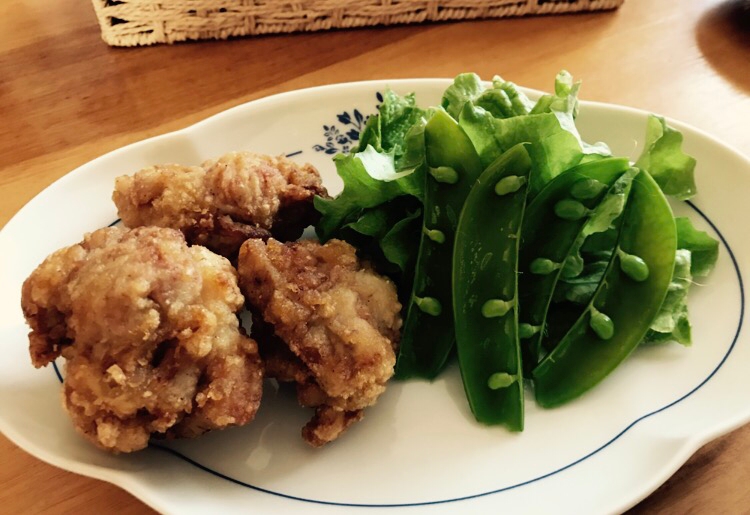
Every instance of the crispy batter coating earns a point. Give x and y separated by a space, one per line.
225 201
324 321
149 331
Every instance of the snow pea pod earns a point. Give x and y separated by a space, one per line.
485 290
453 167
623 306
604 221
548 239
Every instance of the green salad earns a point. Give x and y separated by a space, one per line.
517 246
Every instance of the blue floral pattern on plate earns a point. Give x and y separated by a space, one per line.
344 139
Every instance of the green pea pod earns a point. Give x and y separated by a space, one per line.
623 305
548 239
485 290
453 167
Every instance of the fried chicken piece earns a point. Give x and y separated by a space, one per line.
149 331
223 202
325 322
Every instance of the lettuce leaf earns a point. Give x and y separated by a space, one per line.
696 257
581 288
663 158
564 100
374 222
362 190
400 244
672 324
504 100
466 87
703 248
501 100
392 227
554 142
387 164
552 148
387 131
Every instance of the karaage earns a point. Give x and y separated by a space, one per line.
149 331
225 201
324 321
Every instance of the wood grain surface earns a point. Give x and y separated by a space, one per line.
66 98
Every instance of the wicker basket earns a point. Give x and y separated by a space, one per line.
145 22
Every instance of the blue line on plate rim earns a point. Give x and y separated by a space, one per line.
510 487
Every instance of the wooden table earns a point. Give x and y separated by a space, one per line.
65 98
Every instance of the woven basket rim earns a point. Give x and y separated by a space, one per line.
144 22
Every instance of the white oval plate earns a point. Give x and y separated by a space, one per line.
418 449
